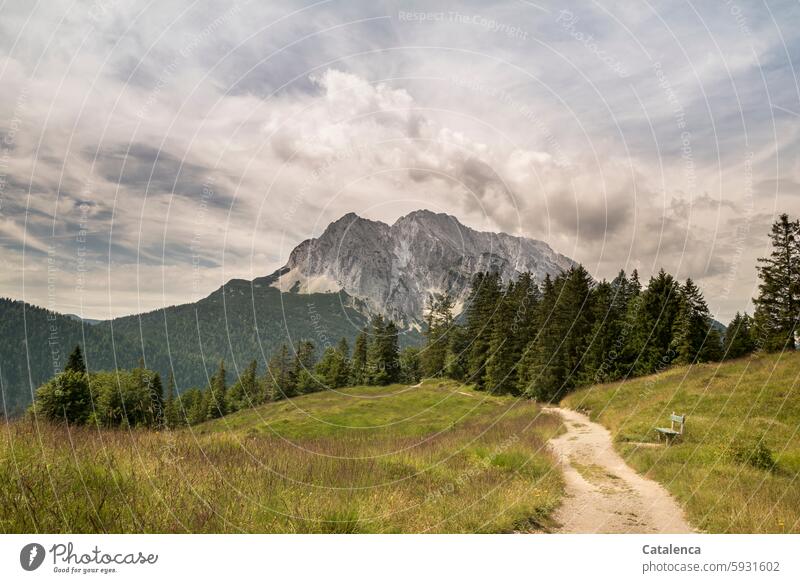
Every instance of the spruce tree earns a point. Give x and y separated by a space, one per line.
739 337
691 327
342 372
304 364
332 369
501 373
457 353
216 394
172 418
483 301
653 320
438 322
280 379
778 301
358 364
75 362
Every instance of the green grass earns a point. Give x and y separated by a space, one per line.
735 410
437 458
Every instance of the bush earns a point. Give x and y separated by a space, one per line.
758 456
65 397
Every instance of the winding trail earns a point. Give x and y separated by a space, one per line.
604 494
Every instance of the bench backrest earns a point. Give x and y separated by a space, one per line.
680 419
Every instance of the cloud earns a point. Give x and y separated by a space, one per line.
222 135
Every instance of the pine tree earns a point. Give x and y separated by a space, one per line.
75 361
156 412
303 366
483 301
652 321
333 368
457 353
216 394
410 366
383 352
198 409
341 374
778 302
739 337
439 321
358 364
245 391
172 418
501 373
691 327
280 378
554 363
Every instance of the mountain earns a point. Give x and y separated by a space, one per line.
327 290
395 268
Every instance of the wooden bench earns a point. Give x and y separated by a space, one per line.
670 433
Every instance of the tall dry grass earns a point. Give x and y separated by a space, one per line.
486 472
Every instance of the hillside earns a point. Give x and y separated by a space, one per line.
718 471
438 457
239 322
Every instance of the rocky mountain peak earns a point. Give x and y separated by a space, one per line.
394 269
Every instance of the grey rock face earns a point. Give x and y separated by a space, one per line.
394 269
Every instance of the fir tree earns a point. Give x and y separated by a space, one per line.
75 362
483 301
358 364
778 300
333 368
439 321
216 394
691 327
245 391
304 364
457 353
739 337
410 365
383 353
172 417
280 378
501 377
653 319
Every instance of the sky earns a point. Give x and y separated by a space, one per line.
151 151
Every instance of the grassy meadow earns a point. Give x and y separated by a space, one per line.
439 457
737 469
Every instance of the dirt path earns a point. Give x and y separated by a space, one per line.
604 494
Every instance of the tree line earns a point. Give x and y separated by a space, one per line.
136 397
544 340
536 340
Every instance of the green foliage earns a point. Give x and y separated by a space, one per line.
694 338
778 301
333 369
75 361
65 397
485 295
241 321
216 399
410 365
739 337
439 322
246 391
756 455
746 402
281 380
358 366
383 363
303 367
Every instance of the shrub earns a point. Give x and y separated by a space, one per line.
758 456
